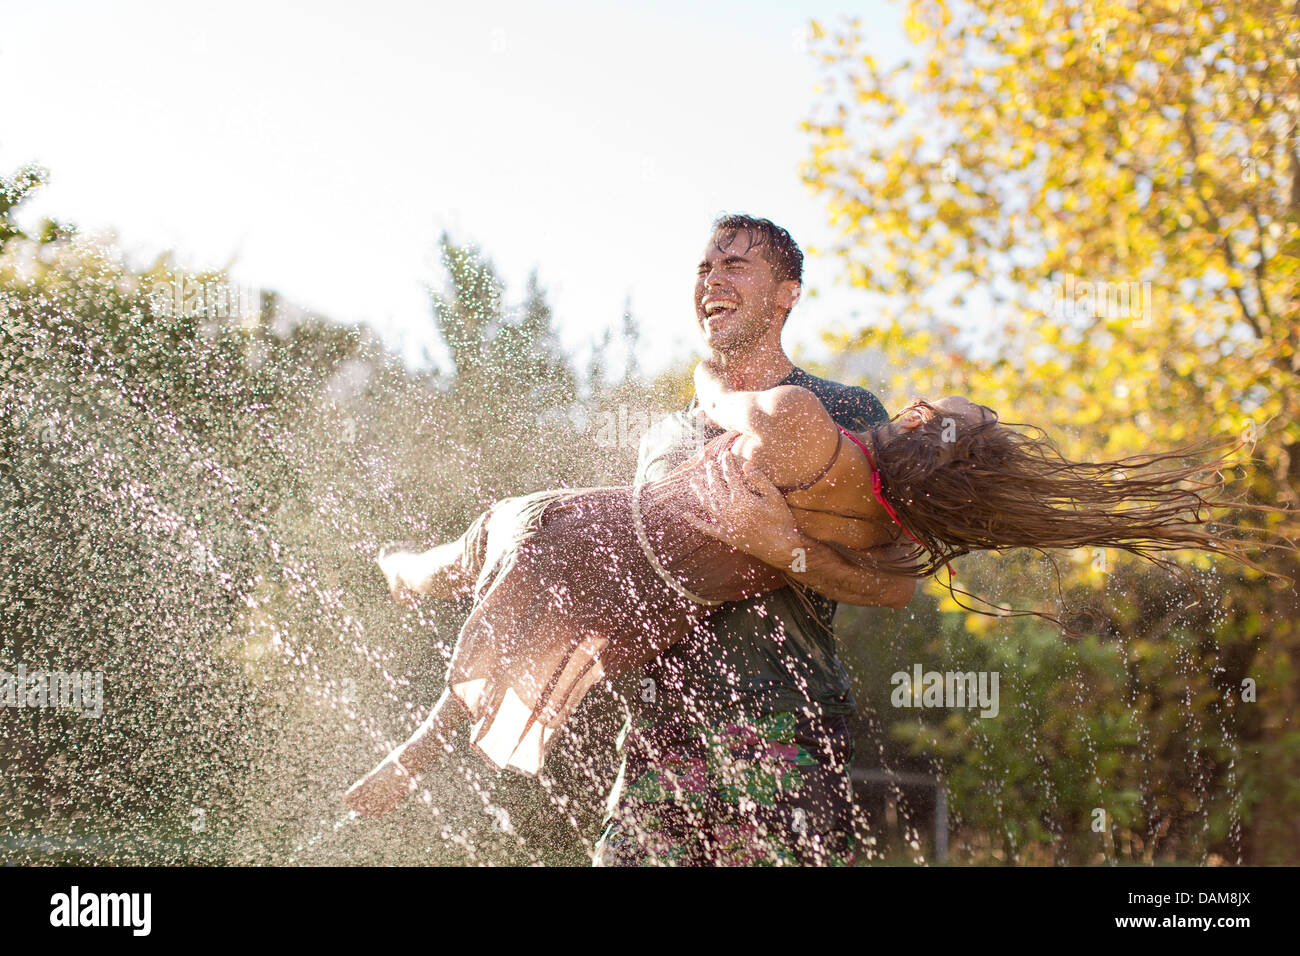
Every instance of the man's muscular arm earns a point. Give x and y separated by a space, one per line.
832 575
762 525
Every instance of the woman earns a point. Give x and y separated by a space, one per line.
573 587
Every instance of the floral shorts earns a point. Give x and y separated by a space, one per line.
772 792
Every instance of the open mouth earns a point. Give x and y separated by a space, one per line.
716 307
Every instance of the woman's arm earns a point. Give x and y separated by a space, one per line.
786 431
760 523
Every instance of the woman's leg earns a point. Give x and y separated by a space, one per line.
446 571
389 783
441 572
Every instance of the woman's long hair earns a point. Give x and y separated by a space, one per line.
959 487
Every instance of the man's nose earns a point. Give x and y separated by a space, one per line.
713 278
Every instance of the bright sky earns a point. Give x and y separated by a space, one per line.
322 147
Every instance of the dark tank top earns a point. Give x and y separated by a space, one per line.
772 653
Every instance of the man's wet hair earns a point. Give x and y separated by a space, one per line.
774 244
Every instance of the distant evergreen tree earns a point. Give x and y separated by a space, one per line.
511 378
468 314
631 343
14 191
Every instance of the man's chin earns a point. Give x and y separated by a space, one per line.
723 339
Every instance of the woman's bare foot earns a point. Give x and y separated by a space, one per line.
439 572
381 790
394 779
402 570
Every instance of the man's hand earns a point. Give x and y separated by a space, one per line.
885 590
744 509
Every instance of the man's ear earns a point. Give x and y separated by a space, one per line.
789 293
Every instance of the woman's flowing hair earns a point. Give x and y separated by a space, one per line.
961 487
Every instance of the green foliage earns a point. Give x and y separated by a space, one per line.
14 190
190 502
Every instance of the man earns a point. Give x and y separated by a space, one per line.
738 748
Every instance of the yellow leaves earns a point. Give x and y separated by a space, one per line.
1125 437
1088 413
1039 154
916 30
942 594
978 624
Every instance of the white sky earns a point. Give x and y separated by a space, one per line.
322 147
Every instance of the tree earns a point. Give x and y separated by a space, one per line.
1113 189
15 190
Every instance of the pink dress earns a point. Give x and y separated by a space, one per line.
578 586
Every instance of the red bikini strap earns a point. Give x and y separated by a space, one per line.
878 488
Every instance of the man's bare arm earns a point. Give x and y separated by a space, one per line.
832 575
762 524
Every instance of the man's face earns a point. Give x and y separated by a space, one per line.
738 300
